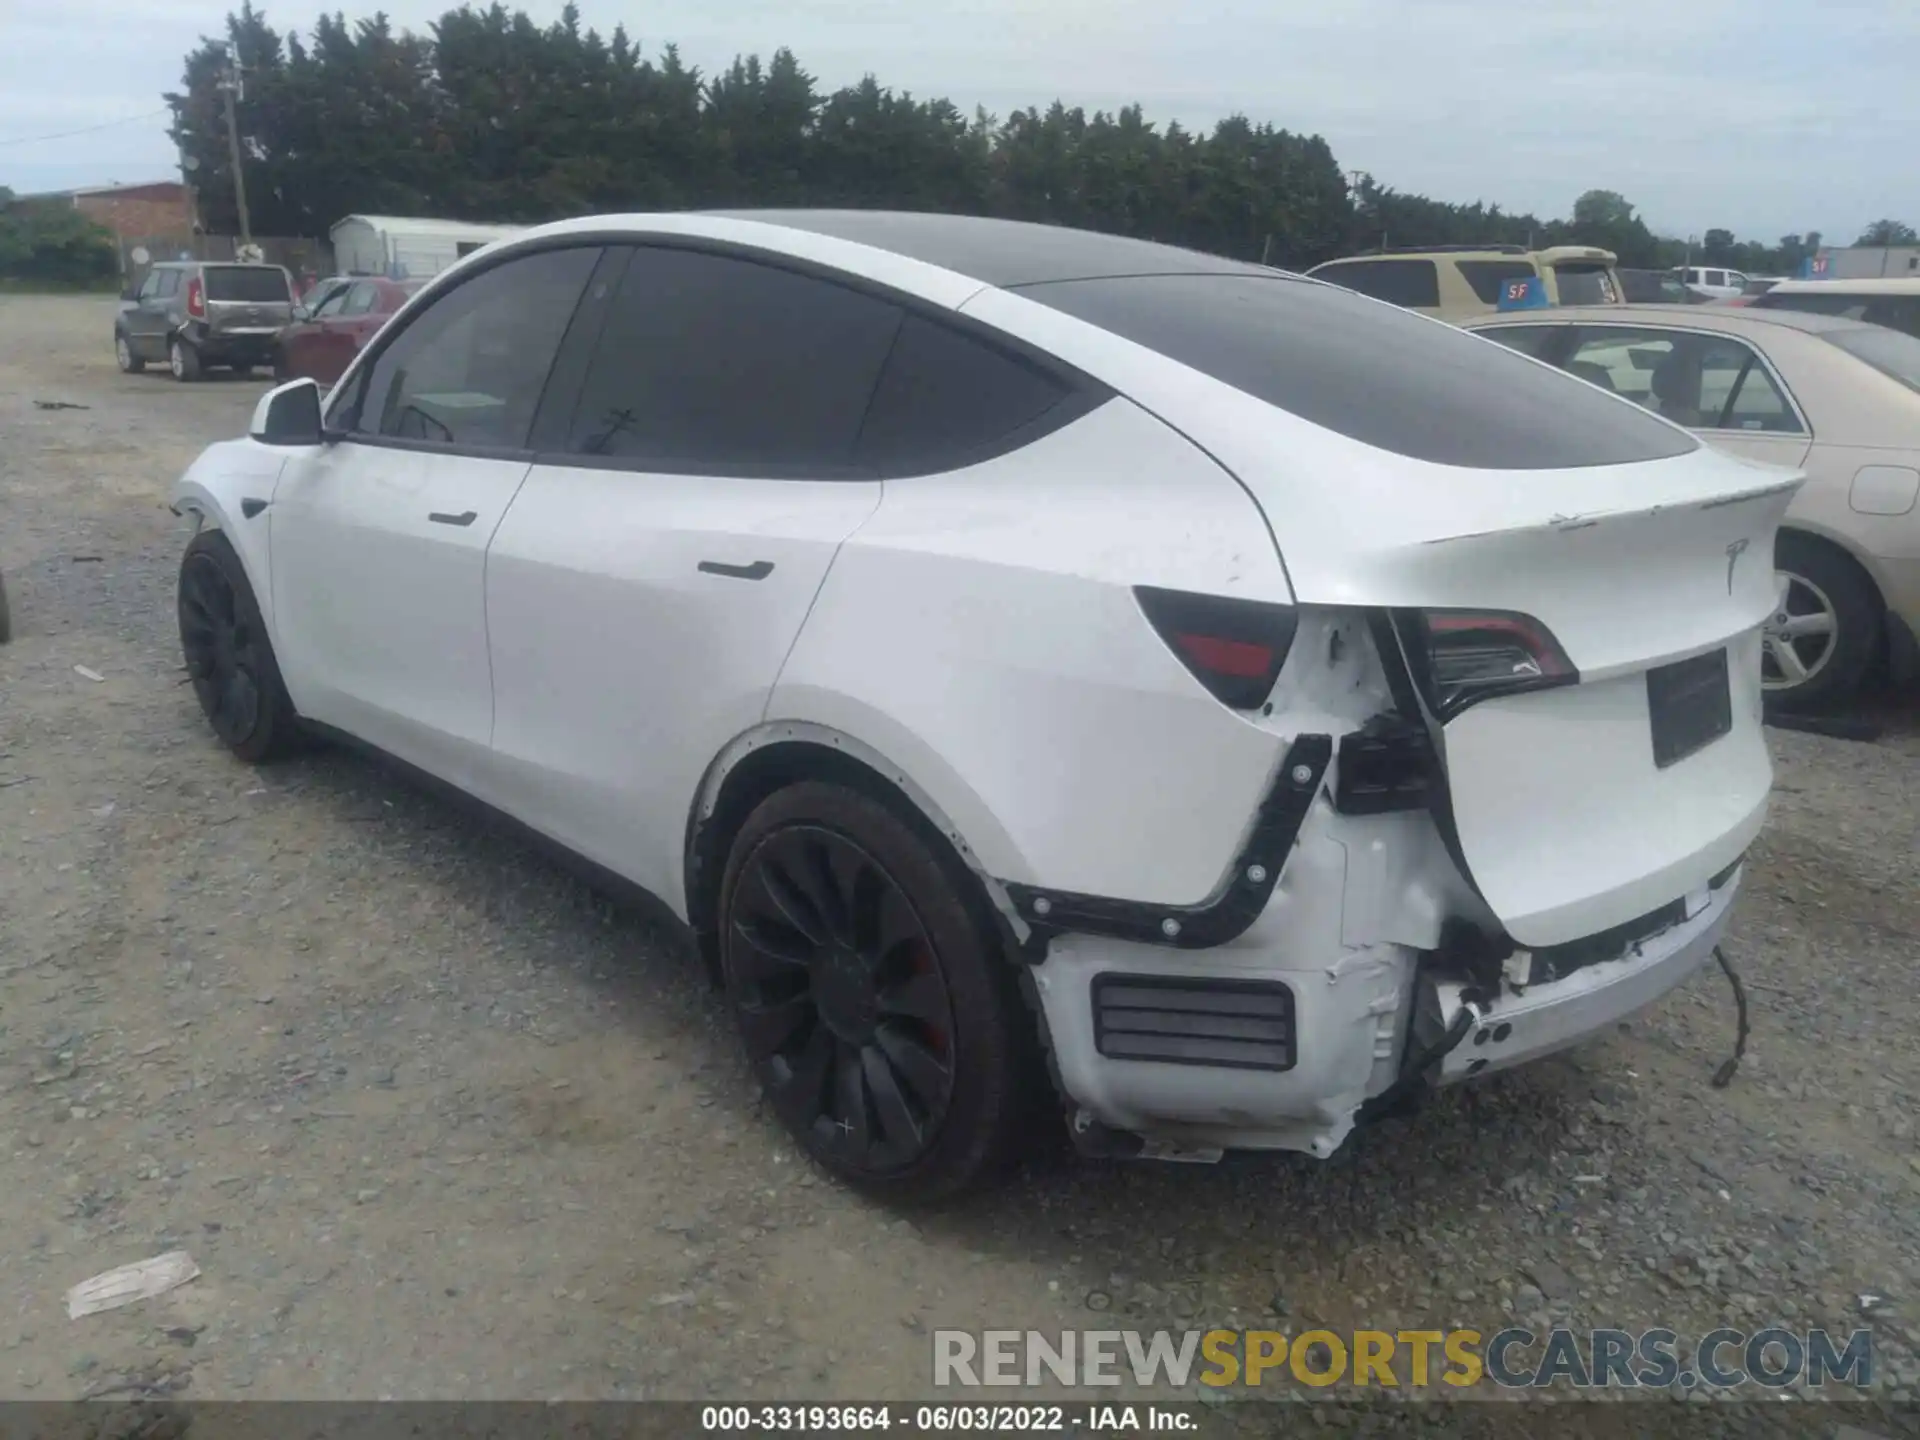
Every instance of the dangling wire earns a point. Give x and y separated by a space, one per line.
1723 1077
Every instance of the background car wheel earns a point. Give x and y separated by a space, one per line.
6 615
130 363
880 1013
1822 643
228 655
241 372
280 375
183 360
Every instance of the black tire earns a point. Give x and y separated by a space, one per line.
6 615
129 363
940 1083
183 360
280 376
228 655
1836 671
241 371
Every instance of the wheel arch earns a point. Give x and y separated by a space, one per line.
1841 545
773 756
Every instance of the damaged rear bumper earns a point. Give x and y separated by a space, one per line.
1187 1054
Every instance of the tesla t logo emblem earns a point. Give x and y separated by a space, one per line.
1734 552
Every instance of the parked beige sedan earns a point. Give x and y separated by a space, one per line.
1837 398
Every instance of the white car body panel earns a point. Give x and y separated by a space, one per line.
224 475
382 626
1016 652
605 725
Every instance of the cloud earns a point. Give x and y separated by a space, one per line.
1703 114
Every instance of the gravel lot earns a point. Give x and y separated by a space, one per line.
436 1121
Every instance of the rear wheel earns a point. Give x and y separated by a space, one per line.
183 360
229 658
6 615
881 1015
130 363
1821 641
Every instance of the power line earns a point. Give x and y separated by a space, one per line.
86 129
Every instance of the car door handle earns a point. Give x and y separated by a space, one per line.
465 517
758 570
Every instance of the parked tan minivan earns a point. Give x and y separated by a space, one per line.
1456 282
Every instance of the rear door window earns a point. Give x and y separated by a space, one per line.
947 398
1412 283
1394 381
169 284
715 364
1704 382
248 284
1487 276
360 298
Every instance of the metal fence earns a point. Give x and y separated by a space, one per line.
138 254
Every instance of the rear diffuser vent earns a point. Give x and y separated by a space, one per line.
1231 1024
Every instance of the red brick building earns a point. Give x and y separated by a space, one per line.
133 212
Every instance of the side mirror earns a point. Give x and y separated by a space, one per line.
288 415
129 295
300 312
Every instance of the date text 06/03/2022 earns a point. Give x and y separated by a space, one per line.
1089 1419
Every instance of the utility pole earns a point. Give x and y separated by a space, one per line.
230 89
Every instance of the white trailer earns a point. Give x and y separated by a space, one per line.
403 248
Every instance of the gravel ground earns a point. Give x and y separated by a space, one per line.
436 1121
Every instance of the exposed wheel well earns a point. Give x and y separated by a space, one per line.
773 768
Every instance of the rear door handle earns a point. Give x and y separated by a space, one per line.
758 570
465 517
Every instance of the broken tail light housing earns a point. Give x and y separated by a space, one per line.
1465 656
196 299
1233 647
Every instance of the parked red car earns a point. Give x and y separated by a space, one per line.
322 341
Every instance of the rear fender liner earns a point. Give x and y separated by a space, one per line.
1234 905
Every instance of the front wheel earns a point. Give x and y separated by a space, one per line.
130 363
1821 642
881 1014
229 658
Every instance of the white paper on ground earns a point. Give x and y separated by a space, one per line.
122 1286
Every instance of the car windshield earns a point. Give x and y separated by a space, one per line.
253 284
1888 351
1586 284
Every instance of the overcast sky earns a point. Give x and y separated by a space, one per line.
1703 113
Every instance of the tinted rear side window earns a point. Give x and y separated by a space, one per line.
945 398
249 284
1398 282
1394 381
711 363
1487 276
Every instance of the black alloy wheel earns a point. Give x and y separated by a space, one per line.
228 656
841 998
221 649
875 996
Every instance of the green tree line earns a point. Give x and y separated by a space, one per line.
488 116
49 243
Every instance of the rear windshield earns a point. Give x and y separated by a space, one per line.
1888 351
1585 284
255 284
1372 372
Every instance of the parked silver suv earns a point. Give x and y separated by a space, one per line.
196 313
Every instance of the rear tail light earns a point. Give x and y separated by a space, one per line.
196 299
1233 647
1473 655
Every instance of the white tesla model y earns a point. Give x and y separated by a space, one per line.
1031 662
